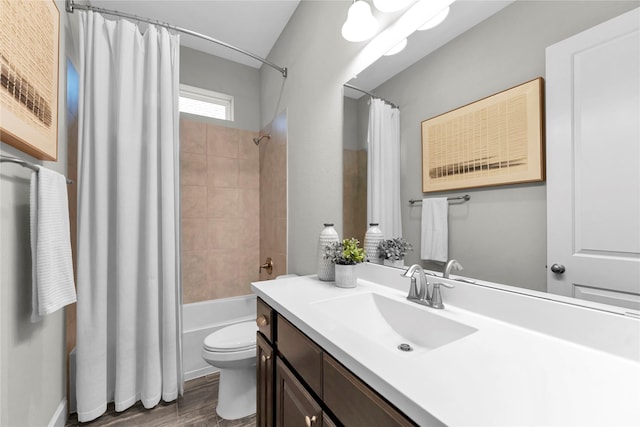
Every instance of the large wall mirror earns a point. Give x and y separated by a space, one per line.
483 47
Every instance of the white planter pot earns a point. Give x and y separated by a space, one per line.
346 276
399 263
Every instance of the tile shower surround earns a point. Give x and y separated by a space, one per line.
220 179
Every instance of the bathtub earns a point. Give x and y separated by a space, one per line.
199 319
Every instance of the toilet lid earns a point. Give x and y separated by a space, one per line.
241 336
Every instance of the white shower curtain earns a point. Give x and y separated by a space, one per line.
128 271
383 168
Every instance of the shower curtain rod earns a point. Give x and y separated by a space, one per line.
71 6
370 94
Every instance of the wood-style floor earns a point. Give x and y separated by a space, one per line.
197 408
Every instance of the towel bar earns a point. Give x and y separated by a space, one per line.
464 198
24 163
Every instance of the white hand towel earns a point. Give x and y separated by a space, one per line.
52 269
435 229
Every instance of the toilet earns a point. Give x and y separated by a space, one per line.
232 349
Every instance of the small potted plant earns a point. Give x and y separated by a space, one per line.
392 251
345 255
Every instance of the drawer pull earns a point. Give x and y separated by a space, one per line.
265 358
262 321
309 421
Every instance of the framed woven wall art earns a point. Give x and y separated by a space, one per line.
494 141
29 40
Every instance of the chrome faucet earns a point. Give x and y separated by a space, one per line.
421 295
452 263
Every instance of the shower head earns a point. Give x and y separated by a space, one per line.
257 140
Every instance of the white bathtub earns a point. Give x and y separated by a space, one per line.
199 319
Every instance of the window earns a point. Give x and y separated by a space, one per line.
203 102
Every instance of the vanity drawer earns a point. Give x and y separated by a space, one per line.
264 320
302 354
353 402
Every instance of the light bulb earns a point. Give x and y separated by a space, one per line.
436 20
397 48
390 5
360 24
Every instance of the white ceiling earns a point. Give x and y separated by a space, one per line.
252 25
255 25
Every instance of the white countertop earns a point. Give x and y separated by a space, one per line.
501 374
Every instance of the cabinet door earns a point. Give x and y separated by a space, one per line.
264 383
354 403
302 354
295 407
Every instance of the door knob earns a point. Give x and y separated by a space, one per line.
268 265
558 268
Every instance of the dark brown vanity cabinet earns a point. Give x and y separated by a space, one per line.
265 366
264 382
305 386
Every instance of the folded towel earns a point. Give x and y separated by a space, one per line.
435 231
52 270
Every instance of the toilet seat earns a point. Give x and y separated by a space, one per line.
233 338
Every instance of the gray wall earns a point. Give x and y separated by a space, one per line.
32 359
221 75
505 225
318 60
350 138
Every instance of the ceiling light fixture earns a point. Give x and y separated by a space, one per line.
436 20
391 5
397 48
412 18
360 24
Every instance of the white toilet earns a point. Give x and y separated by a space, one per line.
232 349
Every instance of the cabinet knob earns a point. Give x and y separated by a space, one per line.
262 321
309 421
264 358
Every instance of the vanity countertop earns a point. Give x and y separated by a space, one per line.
502 374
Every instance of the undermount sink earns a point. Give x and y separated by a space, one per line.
390 322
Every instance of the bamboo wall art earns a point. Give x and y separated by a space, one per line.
29 46
494 141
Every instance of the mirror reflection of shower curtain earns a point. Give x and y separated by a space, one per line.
128 269
383 168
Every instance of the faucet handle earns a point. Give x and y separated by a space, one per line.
446 285
436 296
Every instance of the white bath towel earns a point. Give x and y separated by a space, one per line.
435 229
52 270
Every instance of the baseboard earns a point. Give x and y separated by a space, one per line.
59 418
197 373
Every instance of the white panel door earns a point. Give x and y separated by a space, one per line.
593 163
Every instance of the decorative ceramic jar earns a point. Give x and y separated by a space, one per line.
346 275
326 270
372 237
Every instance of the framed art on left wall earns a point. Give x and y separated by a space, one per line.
29 36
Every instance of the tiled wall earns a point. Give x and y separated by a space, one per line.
354 221
220 178
273 198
